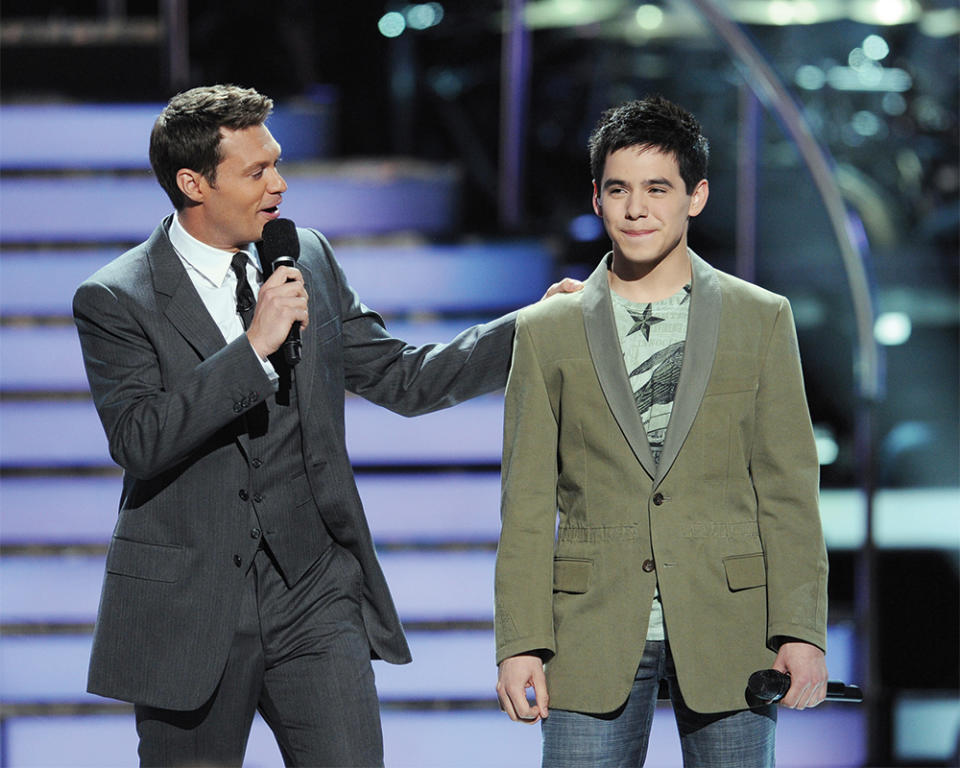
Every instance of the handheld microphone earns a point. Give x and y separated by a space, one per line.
769 685
281 248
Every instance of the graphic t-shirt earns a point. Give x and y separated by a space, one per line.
652 338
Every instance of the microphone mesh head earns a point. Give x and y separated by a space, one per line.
280 239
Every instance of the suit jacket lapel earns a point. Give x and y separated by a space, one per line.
184 308
305 369
607 358
703 330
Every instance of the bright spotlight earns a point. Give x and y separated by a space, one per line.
392 24
810 78
875 47
891 11
649 17
781 12
422 15
892 328
827 448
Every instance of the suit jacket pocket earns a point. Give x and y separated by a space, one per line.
154 562
572 574
745 571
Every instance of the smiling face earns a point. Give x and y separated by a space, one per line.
645 207
245 195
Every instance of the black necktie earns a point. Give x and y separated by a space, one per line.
245 298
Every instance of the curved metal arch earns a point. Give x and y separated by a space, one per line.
763 81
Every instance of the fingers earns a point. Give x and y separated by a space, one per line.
282 301
804 695
808 674
567 285
516 675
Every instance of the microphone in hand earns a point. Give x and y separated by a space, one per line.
280 247
770 685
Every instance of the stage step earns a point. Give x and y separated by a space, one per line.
432 508
448 666
427 586
117 136
43 434
360 198
393 276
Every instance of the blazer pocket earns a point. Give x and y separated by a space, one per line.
154 562
572 575
745 571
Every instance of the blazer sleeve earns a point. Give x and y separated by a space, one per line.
414 380
785 473
524 568
151 425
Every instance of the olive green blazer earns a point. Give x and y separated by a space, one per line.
729 518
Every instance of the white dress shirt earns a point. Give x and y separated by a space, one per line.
210 272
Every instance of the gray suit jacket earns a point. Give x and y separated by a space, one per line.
727 523
170 393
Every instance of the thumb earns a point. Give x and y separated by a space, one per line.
540 692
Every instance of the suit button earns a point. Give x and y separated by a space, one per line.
658 498
244 495
257 463
255 533
237 407
257 498
254 396
648 566
237 560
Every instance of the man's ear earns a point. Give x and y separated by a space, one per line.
597 205
192 184
699 197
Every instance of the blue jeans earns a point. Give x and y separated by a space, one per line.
737 739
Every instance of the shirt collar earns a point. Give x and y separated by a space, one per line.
212 263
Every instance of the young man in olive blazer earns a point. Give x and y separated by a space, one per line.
717 529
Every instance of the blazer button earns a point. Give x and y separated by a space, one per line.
237 560
237 407
648 566
258 498
658 498
244 495
257 463
255 533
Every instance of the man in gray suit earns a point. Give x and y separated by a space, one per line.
241 574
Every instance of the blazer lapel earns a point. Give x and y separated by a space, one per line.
184 308
305 369
703 330
607 358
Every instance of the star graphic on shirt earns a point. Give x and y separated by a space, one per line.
644 321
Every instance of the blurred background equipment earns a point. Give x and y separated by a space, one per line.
441 147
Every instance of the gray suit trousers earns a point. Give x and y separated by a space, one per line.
300 656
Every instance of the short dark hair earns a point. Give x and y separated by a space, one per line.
187 132
656 123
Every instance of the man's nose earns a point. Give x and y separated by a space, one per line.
278 184
636 207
